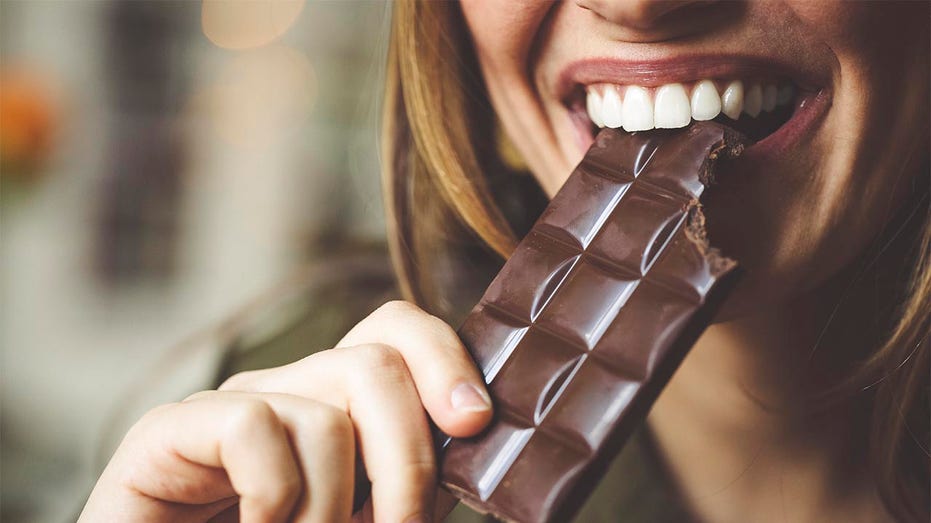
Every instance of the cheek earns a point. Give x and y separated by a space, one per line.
797 227
880 106
503 30
504 33
835 20
879 34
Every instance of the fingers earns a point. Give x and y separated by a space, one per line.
384 372
245 438
324 443
449 385
395 440
372 384
446 380
287 458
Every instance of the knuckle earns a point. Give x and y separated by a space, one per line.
242 381
420 321
153 417
380 357
251 413
200 395
333 422
444 333
395 311
159 411
326 429
397 307
377 366
156 414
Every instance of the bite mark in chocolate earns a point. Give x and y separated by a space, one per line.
588 319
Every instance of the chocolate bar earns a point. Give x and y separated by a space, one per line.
588 319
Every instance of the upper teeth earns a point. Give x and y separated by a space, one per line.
636 108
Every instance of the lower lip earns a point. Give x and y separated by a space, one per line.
808 114
810 110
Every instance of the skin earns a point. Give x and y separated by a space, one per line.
280 444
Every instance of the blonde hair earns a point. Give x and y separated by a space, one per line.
437 141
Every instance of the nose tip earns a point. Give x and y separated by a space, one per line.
641 15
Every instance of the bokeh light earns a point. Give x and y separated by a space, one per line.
246 24
28 118
259 96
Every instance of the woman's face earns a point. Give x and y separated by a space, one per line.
833 160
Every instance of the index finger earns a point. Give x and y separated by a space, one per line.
447 380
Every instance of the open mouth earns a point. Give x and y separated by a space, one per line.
755 107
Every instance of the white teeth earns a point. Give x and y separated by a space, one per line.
769 98
753 103
593 107
785 95
671 107
732 101
638 109
706 104
611 108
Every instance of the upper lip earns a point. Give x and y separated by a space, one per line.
679 69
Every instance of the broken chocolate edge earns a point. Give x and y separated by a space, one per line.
727 271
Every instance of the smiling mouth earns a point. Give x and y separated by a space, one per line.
755 107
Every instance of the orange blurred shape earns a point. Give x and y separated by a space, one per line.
27 120
245 24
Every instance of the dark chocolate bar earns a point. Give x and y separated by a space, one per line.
587 321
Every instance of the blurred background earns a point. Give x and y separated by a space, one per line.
166 167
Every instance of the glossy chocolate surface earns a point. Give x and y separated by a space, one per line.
587 321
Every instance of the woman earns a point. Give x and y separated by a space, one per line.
806 401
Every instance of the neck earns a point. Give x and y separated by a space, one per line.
738 425
740 431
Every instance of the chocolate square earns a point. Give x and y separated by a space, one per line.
587 301
540 259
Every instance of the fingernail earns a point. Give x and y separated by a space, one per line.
469 398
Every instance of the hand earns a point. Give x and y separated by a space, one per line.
280 444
